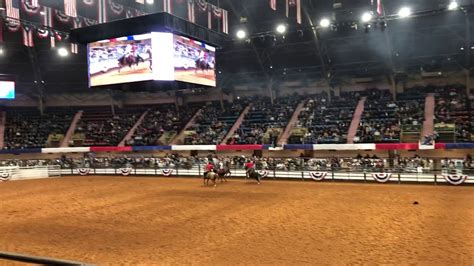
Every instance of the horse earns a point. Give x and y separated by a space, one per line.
202 65
210 176
129 60
255 175
223 173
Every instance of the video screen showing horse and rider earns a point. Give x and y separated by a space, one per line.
122 60
194 62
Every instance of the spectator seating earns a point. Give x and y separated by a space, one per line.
163 120
101 128
27 128
265 121
213 123
380 119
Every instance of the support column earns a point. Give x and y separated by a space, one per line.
428 124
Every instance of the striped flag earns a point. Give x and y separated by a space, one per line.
140 1
48 22
28 36
298 11
225 21
13 9
273 4
74 48
34 3
102 18
379 7
209 16
167 6
191 11
70 8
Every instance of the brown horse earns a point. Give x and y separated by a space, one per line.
223 173
129 60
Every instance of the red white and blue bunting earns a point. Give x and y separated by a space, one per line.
90 22
455 179
318 176
5 176
62 16
263 173
83 171
166 172
88 2
381 177
29 7
125 171
116 8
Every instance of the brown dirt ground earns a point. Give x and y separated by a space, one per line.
175 221
141 72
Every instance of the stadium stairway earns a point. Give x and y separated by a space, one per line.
133 129
3 119
71 129
180 136
291 124
355 121
237 124
428 124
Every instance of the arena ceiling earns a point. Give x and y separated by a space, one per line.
433 40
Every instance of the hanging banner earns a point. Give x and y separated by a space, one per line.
455 179
381 177
318 176
83 171
166 172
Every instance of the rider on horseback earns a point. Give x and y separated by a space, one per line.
209 168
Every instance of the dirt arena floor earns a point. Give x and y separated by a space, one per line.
138 73
174 221
199 77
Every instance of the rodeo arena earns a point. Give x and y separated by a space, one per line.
224 132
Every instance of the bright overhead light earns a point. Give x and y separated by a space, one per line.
453 5
324 23
63 52
150 2
241 34
404 12
1 51
366 17
281 28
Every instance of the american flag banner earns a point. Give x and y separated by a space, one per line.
74 48
1 32
167 6
379 7
48 22
102 18
140 1
70 7
34 3
209 16
13 8
298 11
77 23
225 21
273 4
28 36
191 11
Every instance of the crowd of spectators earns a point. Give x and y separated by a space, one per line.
380 120
103 128
411 108
452 109
213 123
27 128
326 121
158 121
266 120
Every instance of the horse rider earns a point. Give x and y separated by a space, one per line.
209 168
249 166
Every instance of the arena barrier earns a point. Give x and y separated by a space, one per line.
11 173
455 177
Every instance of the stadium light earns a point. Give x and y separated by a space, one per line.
453 5
63 52
324 23
150 2
1 51
281 28
366 17
404 12
241 34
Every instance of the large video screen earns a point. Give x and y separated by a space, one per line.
120 60
194 61
7 90
154 56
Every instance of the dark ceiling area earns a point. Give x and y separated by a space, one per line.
433 39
